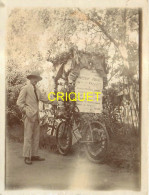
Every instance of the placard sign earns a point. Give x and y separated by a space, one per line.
89 81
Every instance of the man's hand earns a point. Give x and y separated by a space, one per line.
54 103
24 110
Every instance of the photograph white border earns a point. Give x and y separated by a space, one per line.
10 4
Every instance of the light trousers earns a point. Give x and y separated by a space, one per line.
31 138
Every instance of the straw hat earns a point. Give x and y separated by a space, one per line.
34 74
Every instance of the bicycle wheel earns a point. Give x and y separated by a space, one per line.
64 138
98 142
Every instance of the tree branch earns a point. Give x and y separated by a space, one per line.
105 32
101 28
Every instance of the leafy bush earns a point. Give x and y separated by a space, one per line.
14 81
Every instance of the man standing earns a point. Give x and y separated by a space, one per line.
28 102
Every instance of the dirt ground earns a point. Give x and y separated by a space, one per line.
59 172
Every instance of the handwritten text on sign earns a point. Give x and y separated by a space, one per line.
89 81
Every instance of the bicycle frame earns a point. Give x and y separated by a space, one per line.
71 119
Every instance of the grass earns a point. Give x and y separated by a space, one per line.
124 152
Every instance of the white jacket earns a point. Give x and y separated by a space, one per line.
28 103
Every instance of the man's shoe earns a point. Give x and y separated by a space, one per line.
27 161
37 158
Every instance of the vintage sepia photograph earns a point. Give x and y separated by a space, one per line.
73 98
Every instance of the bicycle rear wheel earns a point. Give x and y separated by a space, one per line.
96 151
64 138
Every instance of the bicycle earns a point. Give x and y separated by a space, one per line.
93 135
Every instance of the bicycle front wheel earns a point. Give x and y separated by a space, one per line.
64 138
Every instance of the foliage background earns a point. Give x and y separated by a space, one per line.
37 35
